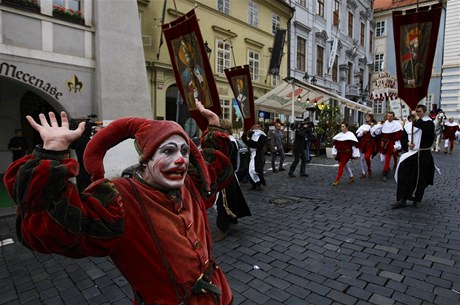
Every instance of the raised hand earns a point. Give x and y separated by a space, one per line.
56 137
212 118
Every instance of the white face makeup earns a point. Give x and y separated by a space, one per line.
168 166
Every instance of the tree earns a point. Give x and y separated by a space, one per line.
329 122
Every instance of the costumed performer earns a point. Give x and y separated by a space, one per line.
345 147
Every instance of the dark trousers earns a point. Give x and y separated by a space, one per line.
299 155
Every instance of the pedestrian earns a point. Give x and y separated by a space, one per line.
256 140
450 128
154 225
311 137
415 170
299 150
230 202
18 145
366 136
345 148
276 147
390 142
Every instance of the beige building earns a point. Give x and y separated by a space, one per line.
237 33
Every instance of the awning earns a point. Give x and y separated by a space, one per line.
284 98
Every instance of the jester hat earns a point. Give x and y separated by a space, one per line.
148 135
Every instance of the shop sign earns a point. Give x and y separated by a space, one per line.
10 70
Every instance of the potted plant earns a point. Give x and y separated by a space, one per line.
70 15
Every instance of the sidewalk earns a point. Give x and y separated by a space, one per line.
306 243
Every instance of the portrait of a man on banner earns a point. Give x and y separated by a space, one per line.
192 70
413 53
240 83
193 77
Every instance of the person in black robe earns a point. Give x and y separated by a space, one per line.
230 203
256 140
415 169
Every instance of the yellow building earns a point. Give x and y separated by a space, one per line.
237 33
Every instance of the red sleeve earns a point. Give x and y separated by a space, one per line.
52 217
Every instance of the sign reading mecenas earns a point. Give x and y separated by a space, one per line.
11 71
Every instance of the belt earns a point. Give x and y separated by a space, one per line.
204 284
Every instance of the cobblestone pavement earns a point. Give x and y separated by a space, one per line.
306 243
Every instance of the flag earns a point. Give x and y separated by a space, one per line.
162 21
415 34
191 66
277 53
239 79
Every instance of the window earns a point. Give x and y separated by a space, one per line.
378 62
253 13
429 101
301 54
223 6
302 3
336 13
350 24
319 60
380 28
378 106
363 28
335 69
276 80
276 22
254 65
68 4
371 41
223 56
226 108
320 8
350 73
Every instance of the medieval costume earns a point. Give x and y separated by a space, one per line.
415 170
391 134
450 127
256 140
159 239
344 148
366 136
231 203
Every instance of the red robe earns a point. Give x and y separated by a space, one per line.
449 131
107 220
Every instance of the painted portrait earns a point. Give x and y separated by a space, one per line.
413 53
190 65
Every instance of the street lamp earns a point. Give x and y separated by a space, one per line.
207 49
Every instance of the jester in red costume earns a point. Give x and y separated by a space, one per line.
390 142
450 128
153 226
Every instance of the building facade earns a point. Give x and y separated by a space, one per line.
384 67
79 56
237 33
332 47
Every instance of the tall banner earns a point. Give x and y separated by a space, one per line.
191 66
239 79
277 53
416 35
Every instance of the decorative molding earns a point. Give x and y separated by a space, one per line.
372 23
362 61
351 4
363 15
302 26
321 37
223 31
143 2
254 43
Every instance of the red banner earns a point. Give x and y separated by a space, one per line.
191 66
239 79
415 34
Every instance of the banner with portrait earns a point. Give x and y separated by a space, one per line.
415 34
239 79
191 66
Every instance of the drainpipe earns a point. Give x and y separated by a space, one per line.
153 84
289 40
